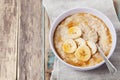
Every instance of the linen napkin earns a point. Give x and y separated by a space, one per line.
61 71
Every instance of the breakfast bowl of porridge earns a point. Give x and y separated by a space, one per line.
74 36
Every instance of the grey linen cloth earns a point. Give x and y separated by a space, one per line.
61 71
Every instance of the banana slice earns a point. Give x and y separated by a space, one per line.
69 46
93 47
80 41
93 36
74 32
83 53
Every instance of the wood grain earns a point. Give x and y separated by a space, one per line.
8 39
29 47
47 47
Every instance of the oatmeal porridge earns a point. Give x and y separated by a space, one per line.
75 39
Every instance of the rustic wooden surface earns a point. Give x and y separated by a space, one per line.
8 39
20 40
29 41
47 27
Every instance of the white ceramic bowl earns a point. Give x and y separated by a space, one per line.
81 10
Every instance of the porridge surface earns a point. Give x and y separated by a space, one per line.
75 39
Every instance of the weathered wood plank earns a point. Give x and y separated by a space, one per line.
29 42
47 46
8 39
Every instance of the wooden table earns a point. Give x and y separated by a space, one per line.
22 45
20 40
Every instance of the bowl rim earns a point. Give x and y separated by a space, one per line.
76 10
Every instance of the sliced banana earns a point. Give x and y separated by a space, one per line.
74 32
69 46
83 53
80 41
92 45
93 36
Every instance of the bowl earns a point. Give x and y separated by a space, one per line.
95 12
